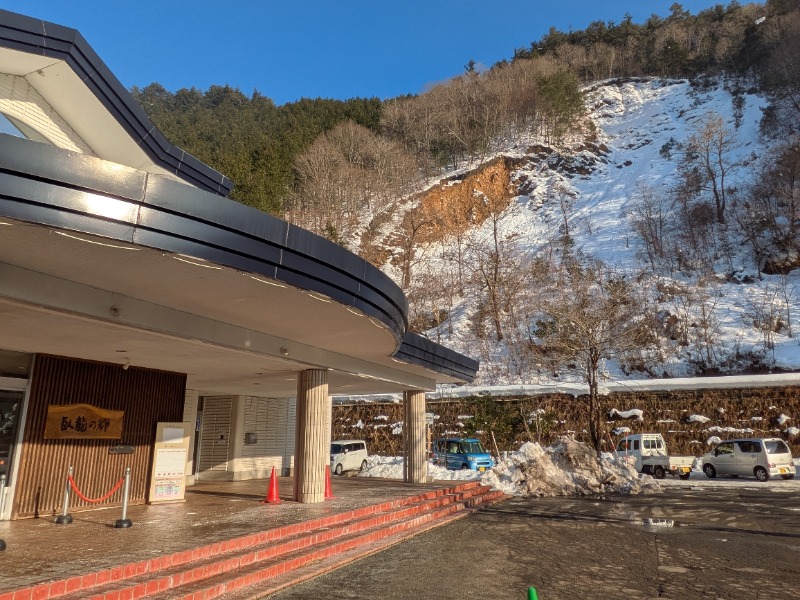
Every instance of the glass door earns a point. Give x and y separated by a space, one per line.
10 405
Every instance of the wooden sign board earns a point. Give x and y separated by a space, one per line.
168 475
82 422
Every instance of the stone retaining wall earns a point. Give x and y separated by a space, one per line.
730 412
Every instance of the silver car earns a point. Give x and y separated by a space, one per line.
760 457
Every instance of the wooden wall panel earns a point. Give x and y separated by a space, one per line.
146 396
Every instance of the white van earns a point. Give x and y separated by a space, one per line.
760 457
348 455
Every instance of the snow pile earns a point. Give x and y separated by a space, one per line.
391 467
634 413
697 419
792 431
567 467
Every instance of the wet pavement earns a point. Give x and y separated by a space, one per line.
688 543
39 550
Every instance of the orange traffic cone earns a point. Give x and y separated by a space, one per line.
328 491
272 495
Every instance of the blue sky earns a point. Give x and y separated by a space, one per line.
315 48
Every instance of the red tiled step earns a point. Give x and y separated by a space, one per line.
339 559
255 583
223 562
259 573
145 578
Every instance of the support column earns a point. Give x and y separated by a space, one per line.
312 436
416 461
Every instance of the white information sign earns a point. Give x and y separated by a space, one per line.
168 474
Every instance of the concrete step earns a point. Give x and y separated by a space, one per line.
208 571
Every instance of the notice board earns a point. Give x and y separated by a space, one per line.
168 475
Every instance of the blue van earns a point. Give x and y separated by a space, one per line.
461 453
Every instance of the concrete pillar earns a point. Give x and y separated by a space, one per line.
416 460
312 436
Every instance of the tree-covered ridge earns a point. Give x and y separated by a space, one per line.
737 39
249 139
259 145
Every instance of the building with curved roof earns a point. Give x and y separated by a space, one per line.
132 290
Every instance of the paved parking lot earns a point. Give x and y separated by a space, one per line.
732 540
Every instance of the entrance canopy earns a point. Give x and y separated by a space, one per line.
116 246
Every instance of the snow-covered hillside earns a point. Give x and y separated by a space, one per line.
637 123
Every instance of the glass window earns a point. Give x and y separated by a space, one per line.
9 411
777 447
336 448
472 448
749 446
724 448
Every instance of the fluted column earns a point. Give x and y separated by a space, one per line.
312 436
414 432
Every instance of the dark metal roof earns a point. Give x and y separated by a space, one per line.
183 219
419 350
34 36
175 217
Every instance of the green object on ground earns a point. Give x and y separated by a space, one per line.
532 594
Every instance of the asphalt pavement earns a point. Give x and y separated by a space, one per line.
736 541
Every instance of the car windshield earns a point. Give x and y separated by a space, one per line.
471 447
336 448
777 447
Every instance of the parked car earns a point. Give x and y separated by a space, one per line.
348 455
461 453
760 457
648 453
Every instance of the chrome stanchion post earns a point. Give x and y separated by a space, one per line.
125 522
2 494
65 518
2 504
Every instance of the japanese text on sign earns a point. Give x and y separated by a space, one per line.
82 421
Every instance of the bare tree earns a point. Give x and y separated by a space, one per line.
346 178
566 200
763 310
593 314
787 293
495 266
707 160
648 219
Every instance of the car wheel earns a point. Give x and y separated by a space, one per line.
658 472
363 465
761 473
464 467
788 476
710 471
338 469
684 475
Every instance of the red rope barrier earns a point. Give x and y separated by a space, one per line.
85 499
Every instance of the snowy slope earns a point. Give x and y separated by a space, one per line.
634 120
